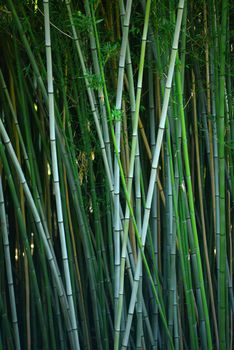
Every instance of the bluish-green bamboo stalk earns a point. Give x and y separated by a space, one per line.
132 161
181 219
5 334
218 53
140 338
192 214
43 89
84 67
95 112
90 96
214 99
222 274
67 128
173 226
183 43
27 158
171 273
202 208
14 117
55 174
119 92
154 210
96 65
155 163
74 183
9 267
23 234
35 180
118 123
101 258
35 214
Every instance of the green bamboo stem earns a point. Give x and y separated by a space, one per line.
35 178
154 210
22 230
202 212
14 116
26 152
46 242
173 282
214 86
192 213
41 84
83 67
72 227
95 112
101 259
93 48
73 187
207 32
180 218
118 103
6 338
131 168
222 275
116 147
9 268
55 173
176 136
73 178
172 322
19 140
183 42
156 157
140 338
90 95
182 215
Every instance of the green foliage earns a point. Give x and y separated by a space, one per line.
109 51
95 81
116 114
82 22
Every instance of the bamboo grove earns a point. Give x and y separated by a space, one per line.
116 174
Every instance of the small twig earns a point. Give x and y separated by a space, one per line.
53 25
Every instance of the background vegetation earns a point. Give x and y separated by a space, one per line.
116 174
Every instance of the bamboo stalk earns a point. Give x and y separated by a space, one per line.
192 213
202 212
46 240
56 174
9 268
222 276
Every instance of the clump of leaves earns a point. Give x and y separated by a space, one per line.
95 81
82 22
116 114
109 50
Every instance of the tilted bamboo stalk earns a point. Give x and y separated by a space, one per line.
37 219
9 267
